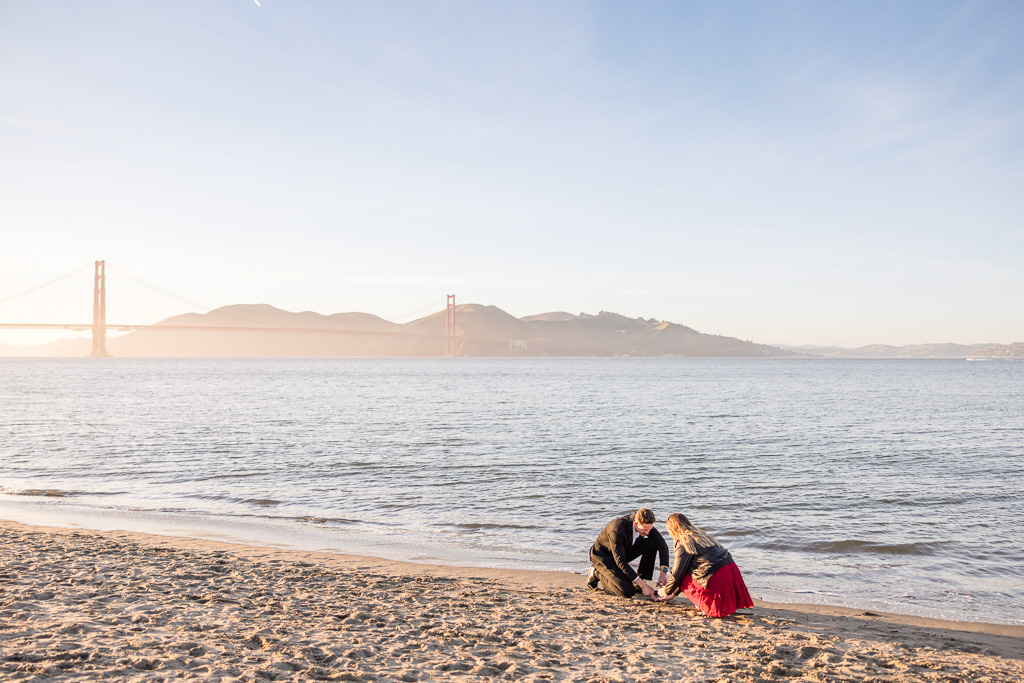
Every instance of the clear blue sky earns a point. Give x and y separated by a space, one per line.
786 172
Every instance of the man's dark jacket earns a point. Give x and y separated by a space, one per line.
616 540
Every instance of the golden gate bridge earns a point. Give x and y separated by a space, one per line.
99 325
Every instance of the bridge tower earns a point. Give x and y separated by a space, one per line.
99 311
449 328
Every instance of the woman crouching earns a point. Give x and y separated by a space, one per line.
703 571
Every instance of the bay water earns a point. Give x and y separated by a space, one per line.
894 485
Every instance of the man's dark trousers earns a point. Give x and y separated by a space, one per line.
612 578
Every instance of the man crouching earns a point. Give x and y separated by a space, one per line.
624 539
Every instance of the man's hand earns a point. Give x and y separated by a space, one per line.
646 588
663 576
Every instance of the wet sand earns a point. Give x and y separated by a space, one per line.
84 605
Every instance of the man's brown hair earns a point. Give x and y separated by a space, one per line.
643 516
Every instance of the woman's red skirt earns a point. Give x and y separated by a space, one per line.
725 593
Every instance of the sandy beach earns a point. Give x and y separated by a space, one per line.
84 605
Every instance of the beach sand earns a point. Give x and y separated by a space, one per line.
84 605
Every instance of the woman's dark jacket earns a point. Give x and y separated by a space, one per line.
702 565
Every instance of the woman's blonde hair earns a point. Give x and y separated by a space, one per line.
680 529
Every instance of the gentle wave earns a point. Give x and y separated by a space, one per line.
483 526
51 493
856 546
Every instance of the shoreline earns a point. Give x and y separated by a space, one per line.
301 540
266 536
78 602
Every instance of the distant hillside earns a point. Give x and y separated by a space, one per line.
1015 350
62 348
156 342
610 334
482 331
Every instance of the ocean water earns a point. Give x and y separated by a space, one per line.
894 485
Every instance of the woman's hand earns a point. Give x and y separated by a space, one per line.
662 596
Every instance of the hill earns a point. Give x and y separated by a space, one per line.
1005 351
62 348
610 334
221 342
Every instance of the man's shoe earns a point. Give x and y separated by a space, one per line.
592 579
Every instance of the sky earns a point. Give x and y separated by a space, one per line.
840 173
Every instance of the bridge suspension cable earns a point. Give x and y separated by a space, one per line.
47 284
415 314
204 308
139 280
